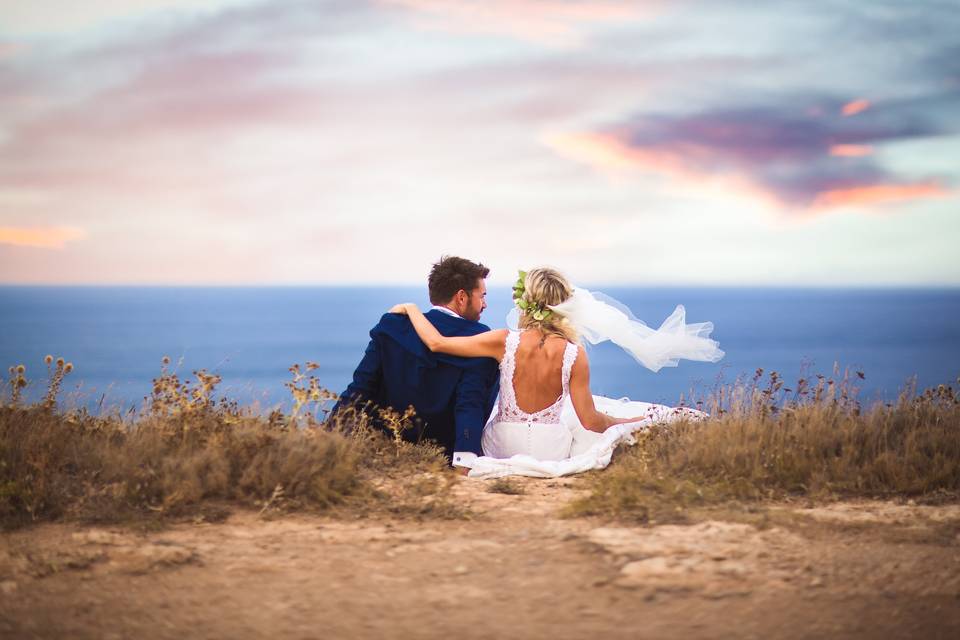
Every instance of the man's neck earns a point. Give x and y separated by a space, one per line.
446 309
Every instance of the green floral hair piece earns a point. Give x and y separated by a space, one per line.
537 311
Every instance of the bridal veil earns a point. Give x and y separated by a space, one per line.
598 318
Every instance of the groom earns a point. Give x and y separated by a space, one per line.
452 396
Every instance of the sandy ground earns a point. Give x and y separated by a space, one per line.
514 569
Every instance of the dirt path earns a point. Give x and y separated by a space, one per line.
516 569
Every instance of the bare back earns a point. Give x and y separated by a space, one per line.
534 378
538 377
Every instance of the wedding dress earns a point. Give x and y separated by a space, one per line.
552 442
513 431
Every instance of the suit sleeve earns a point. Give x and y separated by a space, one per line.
471 407
367 378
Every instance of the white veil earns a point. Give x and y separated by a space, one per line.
598 317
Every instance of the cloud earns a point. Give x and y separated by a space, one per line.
855 107
41 237
877 193
274 136
549 22
153 111
171 98
602 151
851 150
67 16
800 159
9 50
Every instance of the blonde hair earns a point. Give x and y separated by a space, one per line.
544 287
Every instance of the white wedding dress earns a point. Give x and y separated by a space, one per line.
552 442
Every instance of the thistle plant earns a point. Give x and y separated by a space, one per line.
397 423
17 382
201 395
56 374
305 388
171 396
168 395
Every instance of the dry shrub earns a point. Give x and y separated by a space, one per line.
32 446
185 451
760 445
407 479
506 486
54 465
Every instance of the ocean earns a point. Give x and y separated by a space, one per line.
116 337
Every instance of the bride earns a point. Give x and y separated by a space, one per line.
544 369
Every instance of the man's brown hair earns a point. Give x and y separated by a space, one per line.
452 274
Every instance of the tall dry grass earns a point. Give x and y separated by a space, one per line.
764 440
184 453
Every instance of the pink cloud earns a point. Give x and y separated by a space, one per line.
196 92
609 155
41 237
851 150
601 151
857 106
796 161
151 133
9 50
551 22
690 164
877 194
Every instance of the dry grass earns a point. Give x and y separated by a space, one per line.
769 442
188 455
506 486
185 452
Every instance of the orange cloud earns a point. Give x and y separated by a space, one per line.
855 107
554 22
43 237
877 193
606 152
609 155
603 152
851 150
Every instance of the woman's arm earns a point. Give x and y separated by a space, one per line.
587 413
489 344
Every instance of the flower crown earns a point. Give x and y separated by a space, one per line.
536 310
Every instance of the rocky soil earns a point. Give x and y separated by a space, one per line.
514 568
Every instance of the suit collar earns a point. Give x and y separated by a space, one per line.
446 311
399 329
440 318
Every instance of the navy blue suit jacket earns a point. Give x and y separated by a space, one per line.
452 396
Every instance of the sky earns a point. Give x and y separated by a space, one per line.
651 142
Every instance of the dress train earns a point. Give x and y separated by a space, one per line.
588 449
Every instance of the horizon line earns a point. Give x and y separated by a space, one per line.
495 284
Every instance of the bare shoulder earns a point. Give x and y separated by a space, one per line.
581 363
582 359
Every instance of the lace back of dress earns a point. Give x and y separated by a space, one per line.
569 357
508 411
508 365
